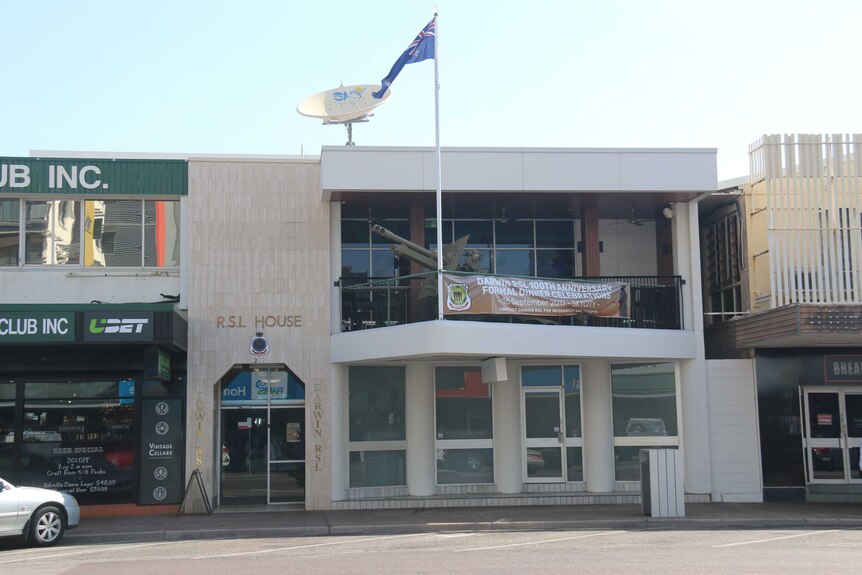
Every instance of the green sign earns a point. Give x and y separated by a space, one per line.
23 176
37 326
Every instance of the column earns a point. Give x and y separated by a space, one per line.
598 426
506 399
419 400
338 428
590 256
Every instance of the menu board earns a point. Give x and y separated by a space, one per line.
162 452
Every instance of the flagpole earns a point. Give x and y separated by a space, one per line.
439 191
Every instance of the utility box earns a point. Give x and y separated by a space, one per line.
662 489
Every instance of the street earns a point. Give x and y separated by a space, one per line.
611 551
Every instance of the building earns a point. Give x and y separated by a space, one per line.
364 398
782 268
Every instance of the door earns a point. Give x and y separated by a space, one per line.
545 435
244 456
833 431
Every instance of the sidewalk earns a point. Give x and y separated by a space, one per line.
311 523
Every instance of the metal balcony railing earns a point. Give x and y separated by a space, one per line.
656 303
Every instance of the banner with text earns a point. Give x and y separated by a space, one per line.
496 295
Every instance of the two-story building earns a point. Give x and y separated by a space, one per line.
571 334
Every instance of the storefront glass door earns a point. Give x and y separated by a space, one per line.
262 437
833 431
545 435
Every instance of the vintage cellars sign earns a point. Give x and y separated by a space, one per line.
495 295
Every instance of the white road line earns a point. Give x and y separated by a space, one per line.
542 541
96 549
382 537
775 538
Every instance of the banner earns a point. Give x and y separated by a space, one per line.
495 295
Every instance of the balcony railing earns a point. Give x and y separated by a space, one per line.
656 303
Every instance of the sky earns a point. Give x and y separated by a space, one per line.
225 77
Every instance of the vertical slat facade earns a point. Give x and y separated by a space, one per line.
813 200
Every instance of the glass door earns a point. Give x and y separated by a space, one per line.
833 431
244 456
545 435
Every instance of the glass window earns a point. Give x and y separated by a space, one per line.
514 234
161 233
10 221
481 233
463 404
513 262
471 465
575 463
7 428
112 234
572 389
354 264
51 232
644 400
376 403
386 264
644 413
475 260
82 439
355 234
431 233
555 234
555 263
378 468
540 375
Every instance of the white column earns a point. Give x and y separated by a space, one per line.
506 399
338 428
693 400
334 266
598 426
419 399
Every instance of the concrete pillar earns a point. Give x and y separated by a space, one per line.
598 426
506 400
419 400
338 408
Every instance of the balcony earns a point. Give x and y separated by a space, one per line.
370 303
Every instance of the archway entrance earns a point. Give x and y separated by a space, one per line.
262 434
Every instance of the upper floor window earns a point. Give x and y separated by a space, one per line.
101 233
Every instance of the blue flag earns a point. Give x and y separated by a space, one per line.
420 49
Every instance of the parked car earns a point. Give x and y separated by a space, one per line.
36 516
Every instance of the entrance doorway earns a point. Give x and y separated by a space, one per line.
833 431
552 424
262 432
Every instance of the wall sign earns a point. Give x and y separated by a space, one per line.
161 452
93 177
842 368
118 326
37 326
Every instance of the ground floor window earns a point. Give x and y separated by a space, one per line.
376 427
465 426
644 413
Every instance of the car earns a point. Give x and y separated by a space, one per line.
36 516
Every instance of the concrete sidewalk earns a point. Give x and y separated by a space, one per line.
316 523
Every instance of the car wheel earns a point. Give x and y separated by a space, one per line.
46 527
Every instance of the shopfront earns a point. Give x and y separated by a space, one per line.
91 408
810 411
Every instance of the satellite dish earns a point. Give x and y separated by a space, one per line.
343 105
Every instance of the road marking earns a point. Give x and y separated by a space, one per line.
454 535
775 538
541 542
97 549
382 537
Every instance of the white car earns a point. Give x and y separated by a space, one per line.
36 516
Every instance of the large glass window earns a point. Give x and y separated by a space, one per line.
10 239
7 427
78 437
464 426
645 414
365 254
376 426
91 233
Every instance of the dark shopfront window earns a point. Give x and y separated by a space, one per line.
78 437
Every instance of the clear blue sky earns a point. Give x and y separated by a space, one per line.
204 76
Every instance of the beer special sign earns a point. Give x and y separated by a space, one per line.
495 295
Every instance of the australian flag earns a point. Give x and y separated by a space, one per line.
419 49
